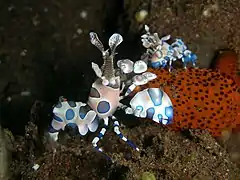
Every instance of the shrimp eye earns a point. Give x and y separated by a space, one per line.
94 93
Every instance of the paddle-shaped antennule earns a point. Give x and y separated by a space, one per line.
108 68
107 71
95 41
114 41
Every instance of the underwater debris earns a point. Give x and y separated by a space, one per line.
202 99
227 62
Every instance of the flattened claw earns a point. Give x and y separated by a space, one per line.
139 80
126 65
140 67
150 76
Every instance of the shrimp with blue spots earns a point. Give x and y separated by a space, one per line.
160 53
105 96
102 102
181 52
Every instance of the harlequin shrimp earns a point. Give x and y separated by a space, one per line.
105 95
181 52
160 53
